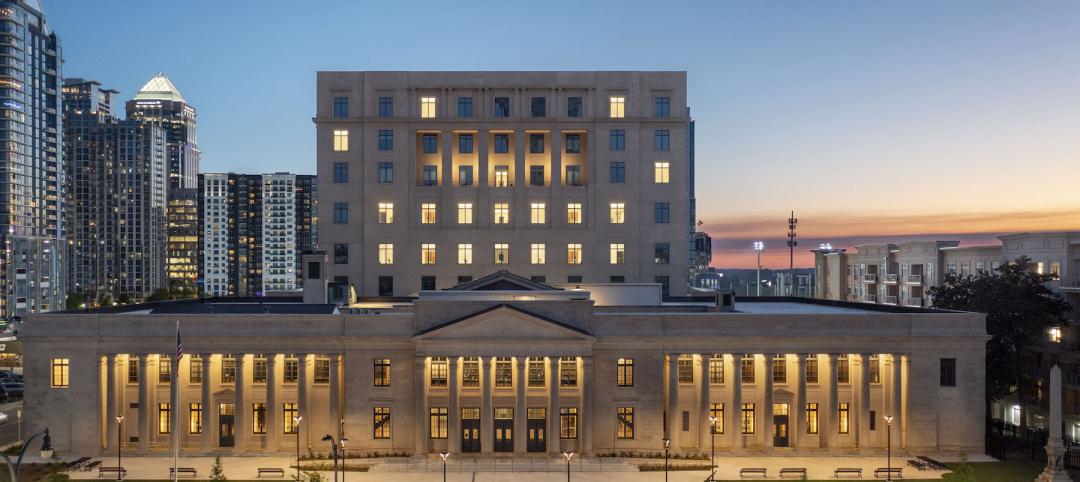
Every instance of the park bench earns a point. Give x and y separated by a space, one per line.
104 470
753 472
184 472
793 472
932 463
847 473
886 472
917 464
268 471
77 463
91 466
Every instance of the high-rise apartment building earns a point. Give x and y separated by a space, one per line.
253 231
160 101
32 263
116 188
182 258
433 178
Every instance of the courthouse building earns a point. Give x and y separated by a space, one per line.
505 365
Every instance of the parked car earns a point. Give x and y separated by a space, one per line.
13 389
10 376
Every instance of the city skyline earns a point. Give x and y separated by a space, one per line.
972 96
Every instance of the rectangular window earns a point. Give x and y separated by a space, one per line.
662 172
381 423
662 140
386 285
258 369
746 369
60 369
842 419
386 140
341 107
625 373
228 369
573 175
662 253
663 107
427 107
537 213
948 372
843 370
811 369
811 418
875 369
386 106
504 372
464 106
686 369
322 370
618 172
567 372
873 420
573 143
164 418
538 253
502 213
716 412
427 283
290 417
258 418
502 107
502 176
618 140
470 372
536 372
133 369
617 213
292 370
716 369
616 279
502 253
573 253
386 172
536 143
341 172
195 418
386 213
431 176
427 213
382 372
439 369
618 253
341 140
779 369
465 143
624 423
536 175
464 253
662 214
747 418
538 107
573 213
573 107
195 369
502 143
464 213
568 422
438 422
386 253
430 143
341 213
427 253
341 253
617 106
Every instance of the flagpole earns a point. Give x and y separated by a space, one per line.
176 401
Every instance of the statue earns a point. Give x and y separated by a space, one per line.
1055 449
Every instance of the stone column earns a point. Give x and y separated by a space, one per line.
587 393
447 178
335 395
303 402
905 384
111 404
519 407
556 159
520 218
673 428
798 428
552 379
274 425
767 400
487 428
453 410
420 400
209 426
735 411
1055 449
241 410
828 428
145 412
705 430
862 417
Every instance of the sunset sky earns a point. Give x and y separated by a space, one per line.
925 119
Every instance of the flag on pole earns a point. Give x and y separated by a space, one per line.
175 388
179 344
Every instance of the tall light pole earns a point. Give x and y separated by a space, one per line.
333 453
712 443
343 457
792 222
888 445
296 425
667 454
569 455
759 246
444 454
119 448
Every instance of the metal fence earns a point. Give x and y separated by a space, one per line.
498 465
1005 441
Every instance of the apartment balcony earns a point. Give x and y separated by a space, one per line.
889 278
869 298
913 279
1069 283
909 301
869 278
889 300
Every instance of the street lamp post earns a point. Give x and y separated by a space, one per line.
888 445
667 453
759 246
296 425
343 457
712 443
333 453
46 453
569 455
444 454
119 448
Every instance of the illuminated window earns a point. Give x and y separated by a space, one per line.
617 107
625 375
779 369
60 369
228 369
321 373
537 213
502 213
843 370
464 253
164 369
133 369
844 413
875 369
811 369
502 176
427 107
464 213
439 368
716 411
386 253
504 373
341 140
382 372
427 253
1055 269
386 213
258 418
568 371
470 372
502 253
538 254
662 172
716 369
624 423
258 369
535 368
686 369
746 369
811 418
194 418
573 253
618 213
164 418
290 416
427 213
195 369
747 418
292 370
568 422
618 253
573 213
1055 335
381 423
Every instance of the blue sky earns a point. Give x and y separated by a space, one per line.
887 113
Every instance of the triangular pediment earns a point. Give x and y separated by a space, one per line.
504 322
503 280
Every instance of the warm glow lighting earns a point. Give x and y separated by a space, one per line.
618 107
427 107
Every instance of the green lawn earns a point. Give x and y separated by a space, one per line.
980 472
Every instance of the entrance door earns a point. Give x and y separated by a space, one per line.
780 425
537 428
226 437
504 430
470 430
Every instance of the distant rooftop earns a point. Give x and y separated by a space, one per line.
159 88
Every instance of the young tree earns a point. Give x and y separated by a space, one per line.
1019 310
217 474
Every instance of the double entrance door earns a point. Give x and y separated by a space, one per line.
504 430
226 425
536 426
780 425
470 430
